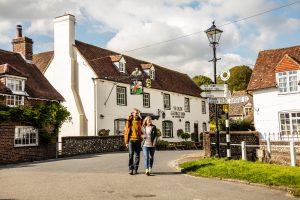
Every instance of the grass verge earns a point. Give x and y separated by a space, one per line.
254 172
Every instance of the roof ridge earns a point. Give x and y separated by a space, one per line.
280 48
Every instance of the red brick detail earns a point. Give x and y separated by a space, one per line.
286 64
24 46
11 154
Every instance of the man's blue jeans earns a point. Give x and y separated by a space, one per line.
148 156
134 151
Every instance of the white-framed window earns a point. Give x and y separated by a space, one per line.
186 104
203 107
167 103
288 81
152 74
204 127
122 66
119 126
289 123
14 100
121 96
26 136
146 100
15 84
167 129
187 127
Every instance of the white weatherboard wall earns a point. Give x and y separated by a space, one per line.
112 111
267 105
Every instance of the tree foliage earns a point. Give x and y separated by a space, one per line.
47 117
239 78
202 80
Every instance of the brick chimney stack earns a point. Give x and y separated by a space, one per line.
22 45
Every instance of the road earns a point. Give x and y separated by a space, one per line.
105 176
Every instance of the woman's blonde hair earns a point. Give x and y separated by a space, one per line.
148 118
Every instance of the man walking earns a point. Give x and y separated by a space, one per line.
133 138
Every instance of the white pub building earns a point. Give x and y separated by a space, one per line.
95 83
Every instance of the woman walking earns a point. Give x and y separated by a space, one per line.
150 137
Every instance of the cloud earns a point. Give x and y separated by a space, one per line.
137 24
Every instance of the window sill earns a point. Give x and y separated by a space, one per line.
286 93
27 145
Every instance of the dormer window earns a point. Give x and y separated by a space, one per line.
287 75
152 74
17 86
119 62
149 70
288 81
121 67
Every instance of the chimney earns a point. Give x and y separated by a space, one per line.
22 45
64 35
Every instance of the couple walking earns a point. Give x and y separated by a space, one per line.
139 133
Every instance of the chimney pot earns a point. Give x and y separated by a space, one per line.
19 31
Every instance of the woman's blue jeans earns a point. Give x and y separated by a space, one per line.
148 156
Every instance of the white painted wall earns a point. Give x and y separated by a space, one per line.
267 105
112 111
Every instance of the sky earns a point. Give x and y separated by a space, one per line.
169 33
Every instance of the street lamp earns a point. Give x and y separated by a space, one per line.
213 35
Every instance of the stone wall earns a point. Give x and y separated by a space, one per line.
280 152
236 137
11 154
91 144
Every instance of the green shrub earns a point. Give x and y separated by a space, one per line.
188 144
179 132
185 136
162 145
103 132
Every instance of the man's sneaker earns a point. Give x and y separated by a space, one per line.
150 170
135 172
131 172
147 172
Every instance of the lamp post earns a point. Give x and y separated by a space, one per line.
213 35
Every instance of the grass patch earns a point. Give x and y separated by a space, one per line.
255 172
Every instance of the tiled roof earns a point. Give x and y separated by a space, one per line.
101 60
10 70
4 89
146 65
36 85
115 58
165 79
237 109
42 60
286 64
263 75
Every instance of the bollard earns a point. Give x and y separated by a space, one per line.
244 153
293 153
269 145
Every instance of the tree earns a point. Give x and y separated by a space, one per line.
202 80
239 78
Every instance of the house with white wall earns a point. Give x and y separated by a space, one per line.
96 85
276 92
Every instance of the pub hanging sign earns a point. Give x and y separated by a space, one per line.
177 112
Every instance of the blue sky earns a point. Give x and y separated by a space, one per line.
123 25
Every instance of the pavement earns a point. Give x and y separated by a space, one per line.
105 176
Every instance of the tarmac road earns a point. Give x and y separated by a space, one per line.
105 176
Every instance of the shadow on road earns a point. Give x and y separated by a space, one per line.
165 173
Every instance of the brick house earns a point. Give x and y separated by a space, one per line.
244 110
21 83
276 92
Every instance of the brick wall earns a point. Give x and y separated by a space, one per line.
11 154
236 137
91 144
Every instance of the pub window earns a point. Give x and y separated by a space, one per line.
119 126
121 96
203 107
186 104
26 136
167 129
187 127
146 100
167 103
